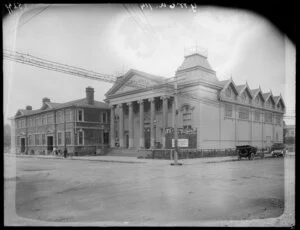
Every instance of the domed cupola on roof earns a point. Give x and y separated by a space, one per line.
196 66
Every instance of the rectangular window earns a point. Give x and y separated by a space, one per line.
59 138
80 115
29 140
186 116
44 119
244 113
43 139
69 115
228 110
268 117
59 117
104 117
37 139
50 118
80 138
37 120
256 116
68 138
105 137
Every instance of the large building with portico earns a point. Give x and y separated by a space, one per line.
220 113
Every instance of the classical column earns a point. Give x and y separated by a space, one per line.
152 116
130 124
142 134
121 125
112 126
165 119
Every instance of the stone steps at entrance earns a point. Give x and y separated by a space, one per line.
128 152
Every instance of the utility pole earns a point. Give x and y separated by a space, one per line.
175 126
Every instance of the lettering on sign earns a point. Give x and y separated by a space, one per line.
181 143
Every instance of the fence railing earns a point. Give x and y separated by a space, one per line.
190 153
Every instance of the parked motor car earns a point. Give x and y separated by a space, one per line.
248 151
278 149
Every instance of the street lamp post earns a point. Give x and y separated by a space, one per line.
175 126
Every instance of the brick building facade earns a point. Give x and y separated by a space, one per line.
81 126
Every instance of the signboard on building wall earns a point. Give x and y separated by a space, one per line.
181 143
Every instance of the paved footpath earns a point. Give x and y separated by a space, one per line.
120 159
126 159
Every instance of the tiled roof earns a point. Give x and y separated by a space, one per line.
84 103
266 95
239 87
254 91
80 102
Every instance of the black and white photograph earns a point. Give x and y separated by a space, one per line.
147 114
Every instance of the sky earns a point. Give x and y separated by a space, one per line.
113 38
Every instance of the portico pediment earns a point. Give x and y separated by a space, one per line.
134 80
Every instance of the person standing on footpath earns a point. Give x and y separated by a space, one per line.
65 153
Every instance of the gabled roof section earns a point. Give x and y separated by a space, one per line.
242 88
279 99
268 95
256 92
121 81
227 83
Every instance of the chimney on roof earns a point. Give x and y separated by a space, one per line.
46 99
28 107
90 95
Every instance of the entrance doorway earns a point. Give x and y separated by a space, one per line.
147 137
127 141
50 143
22 145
